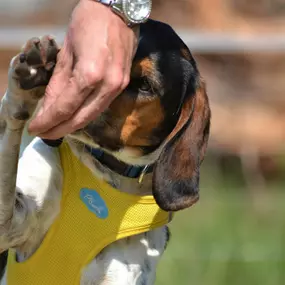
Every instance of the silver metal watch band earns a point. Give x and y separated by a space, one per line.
120 7
115 9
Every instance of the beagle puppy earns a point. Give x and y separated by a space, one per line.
150 142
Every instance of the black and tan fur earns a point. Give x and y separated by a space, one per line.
161 118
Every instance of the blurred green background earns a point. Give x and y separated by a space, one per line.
231 236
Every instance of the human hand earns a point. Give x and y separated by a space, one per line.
93 67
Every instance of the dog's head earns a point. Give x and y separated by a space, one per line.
163 117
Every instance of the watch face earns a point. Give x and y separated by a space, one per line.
137 11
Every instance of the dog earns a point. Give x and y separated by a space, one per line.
157 129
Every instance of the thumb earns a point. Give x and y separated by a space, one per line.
56 86
61 75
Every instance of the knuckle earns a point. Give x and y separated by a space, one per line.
126 82
90 75
115 81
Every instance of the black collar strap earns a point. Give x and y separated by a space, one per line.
124 169
53 143
120 167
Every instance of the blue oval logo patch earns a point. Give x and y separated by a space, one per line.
94 203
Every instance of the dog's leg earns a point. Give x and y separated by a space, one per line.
130 261
29 73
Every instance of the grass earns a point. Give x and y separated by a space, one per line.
229 237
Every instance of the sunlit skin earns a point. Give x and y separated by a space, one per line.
93 68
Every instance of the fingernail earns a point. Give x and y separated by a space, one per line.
30 130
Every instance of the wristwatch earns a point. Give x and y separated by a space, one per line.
131 11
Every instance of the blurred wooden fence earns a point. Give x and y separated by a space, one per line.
247 116
239 46
200 42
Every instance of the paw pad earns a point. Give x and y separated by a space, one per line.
34 66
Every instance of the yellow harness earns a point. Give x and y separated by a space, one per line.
93 215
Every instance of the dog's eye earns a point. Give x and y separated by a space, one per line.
140 84
144 85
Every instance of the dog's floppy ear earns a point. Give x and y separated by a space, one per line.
176 173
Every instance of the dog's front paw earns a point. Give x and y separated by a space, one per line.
33 67
29 73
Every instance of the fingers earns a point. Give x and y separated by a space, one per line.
91 108
68 94
57 84
92 69
60 110
90 91
61 74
